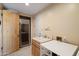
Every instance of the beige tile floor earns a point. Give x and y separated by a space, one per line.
25 51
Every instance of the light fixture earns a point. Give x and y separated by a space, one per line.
27 4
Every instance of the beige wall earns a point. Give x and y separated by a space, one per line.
32 26
1 6
61 20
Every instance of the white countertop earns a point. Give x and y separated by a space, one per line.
41 39
60 48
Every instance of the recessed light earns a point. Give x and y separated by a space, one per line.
27 4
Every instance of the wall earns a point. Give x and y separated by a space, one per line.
60 20
20 13
33 27
1 6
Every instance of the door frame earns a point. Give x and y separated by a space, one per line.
1 24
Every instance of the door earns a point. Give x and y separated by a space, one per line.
10 32
0 33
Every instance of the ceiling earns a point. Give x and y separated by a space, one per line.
32 9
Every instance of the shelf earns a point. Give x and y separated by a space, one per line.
23 32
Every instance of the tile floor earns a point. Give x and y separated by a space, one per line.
25 51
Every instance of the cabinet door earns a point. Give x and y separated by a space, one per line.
10 32
0 33
33 50
37 51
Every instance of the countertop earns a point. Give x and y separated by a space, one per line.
60 48
41 39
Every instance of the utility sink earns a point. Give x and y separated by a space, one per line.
41 39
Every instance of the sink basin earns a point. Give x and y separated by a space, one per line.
41 39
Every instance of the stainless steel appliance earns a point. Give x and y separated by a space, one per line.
25 31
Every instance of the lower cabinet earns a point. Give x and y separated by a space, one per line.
35 48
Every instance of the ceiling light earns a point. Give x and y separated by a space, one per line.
27 4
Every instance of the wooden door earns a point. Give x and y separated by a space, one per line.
10 32
0 33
